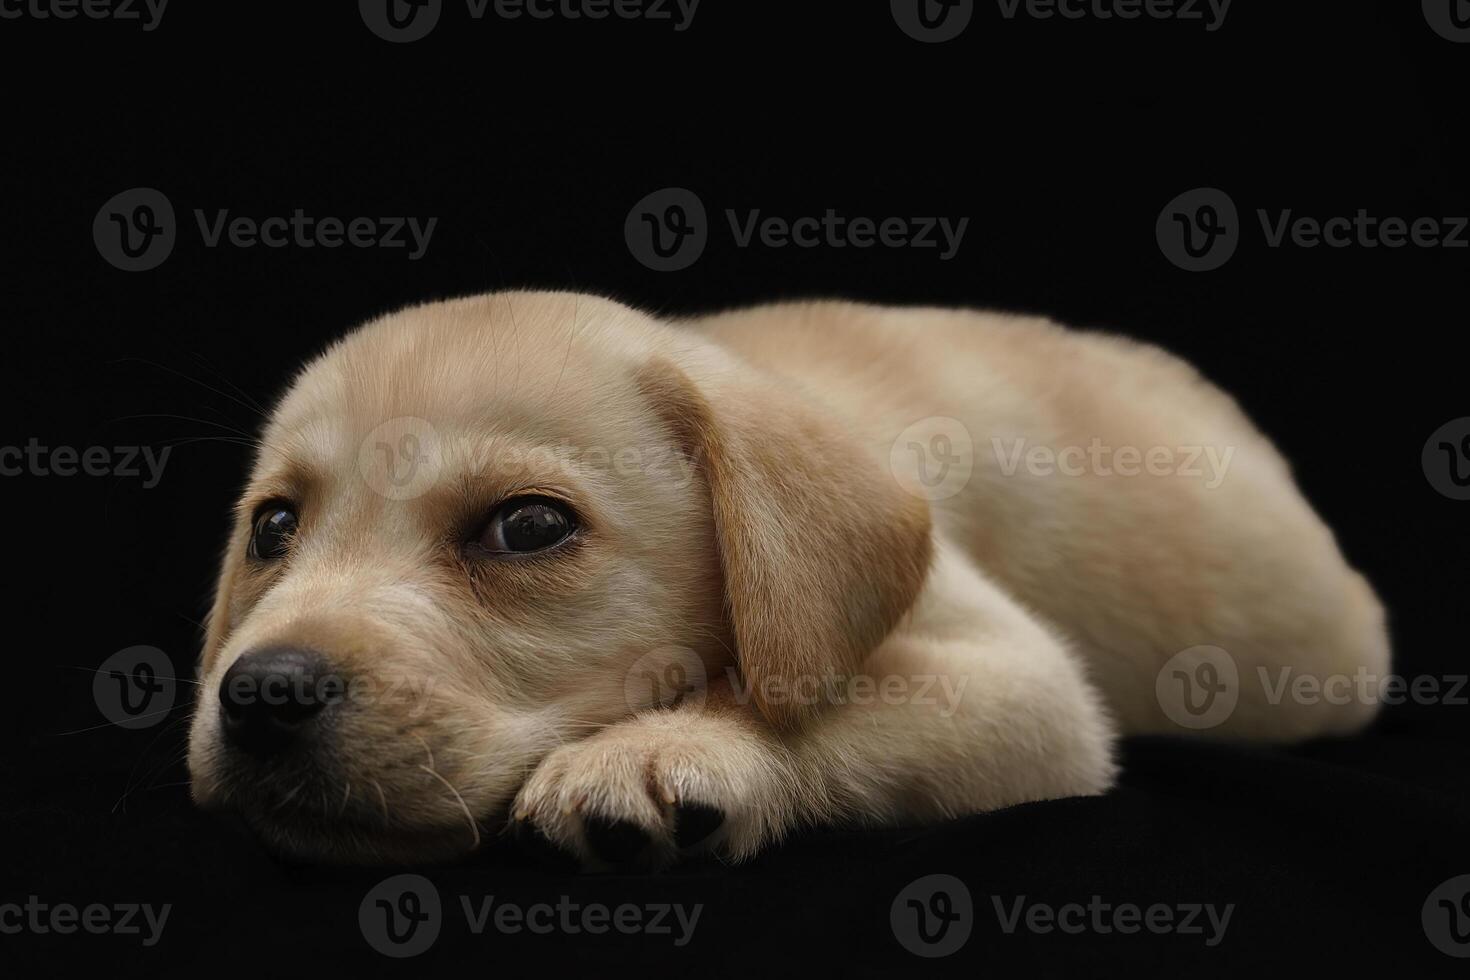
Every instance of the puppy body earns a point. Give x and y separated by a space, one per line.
1215 547
874 638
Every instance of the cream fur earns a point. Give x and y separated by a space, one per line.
764 529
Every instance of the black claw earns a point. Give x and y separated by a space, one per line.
694 822
616 841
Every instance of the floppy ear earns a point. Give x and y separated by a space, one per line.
822 551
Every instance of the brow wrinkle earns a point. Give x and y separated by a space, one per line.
571 336
511 309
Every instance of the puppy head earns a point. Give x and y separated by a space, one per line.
475 528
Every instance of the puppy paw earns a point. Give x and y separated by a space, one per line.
647 792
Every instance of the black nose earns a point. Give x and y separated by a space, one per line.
273 697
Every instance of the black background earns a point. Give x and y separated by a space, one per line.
530 141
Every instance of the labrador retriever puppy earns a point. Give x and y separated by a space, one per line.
652 589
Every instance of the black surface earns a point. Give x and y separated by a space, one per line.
1060 140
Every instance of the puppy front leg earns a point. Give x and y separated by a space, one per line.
970 705
697 778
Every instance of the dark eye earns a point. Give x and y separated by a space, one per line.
527 524
271 537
